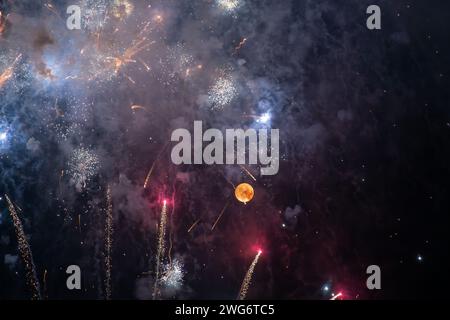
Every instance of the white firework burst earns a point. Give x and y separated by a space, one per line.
82 166
173 275
228 5
222 92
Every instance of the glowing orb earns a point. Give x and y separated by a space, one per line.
244 193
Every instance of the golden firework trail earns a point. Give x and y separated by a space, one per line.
147 178
220 216
248 278
161 247
193 225
8 73
25 253
127 57
248 172
108 243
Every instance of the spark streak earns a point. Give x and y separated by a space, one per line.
147 178
193 225
336 296
161 247
248 278
108 243
248 172
220 215
25 253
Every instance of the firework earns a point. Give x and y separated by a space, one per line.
83 165
52 9
149 174
222 92
139 44
108 243
95 14
173 275
161 246
336 296
228 5
147 178
25 253
248 278
121 9
220 216
2 23
248 172
193 225
137 107
240 45
8 73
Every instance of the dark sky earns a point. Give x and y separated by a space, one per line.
364 147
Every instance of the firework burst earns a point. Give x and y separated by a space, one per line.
228 5
173 275
248 278
222 92
82 166
25 253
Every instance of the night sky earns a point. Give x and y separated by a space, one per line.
364 124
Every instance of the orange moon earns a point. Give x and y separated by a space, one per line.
244 192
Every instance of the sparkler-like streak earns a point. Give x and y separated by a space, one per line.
25 253
108 243
248 278
147 178
248 172
220 216
193 225
8 73
161 247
